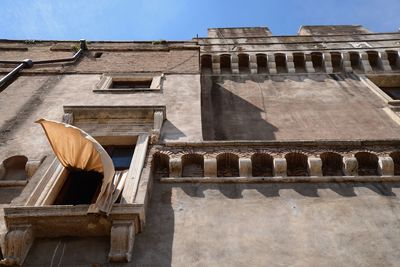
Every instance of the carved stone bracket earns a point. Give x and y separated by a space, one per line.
121 240
17 243
158 122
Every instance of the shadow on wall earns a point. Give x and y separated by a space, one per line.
226 116
234 191
170 132
153 247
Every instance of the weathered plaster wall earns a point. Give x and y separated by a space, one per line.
254 225
30 98
293 108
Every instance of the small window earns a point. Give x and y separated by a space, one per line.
135 83
131 84
393 58
280 60
296 164
243 63
374 60
317 61
336 59
227 165
367 163
225 63
206 62
355 60
262 165
262 66
299 62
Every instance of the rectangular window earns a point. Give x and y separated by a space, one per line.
83 187
132 83
140 84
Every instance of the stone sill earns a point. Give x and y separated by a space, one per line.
61 220
280 179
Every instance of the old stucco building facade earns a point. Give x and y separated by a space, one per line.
241 149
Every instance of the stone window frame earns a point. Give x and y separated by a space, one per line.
25 223
106 80
377 90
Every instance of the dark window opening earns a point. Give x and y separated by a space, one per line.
374 60
280 61
15 168
262 63
121 156
393 92
98 54
336 59
367 163
396 160
80 187
138 84
243 63
262 165
355 61
206 62
227 165
192 165
317 61
160 165
225 63
393 58
296 164
299 62
332 164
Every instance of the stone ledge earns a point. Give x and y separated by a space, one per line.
295 179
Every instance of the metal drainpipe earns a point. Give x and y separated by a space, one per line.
28 63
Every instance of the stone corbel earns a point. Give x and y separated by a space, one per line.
253 64
271 64
290 64
245 168
158 122
327 61
280 167
235 64
365 62
216 68
346 64
309 64
386 166
314 166
210 167
384 62
17 243
350 166
121 241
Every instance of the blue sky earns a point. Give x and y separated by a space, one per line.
182 20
